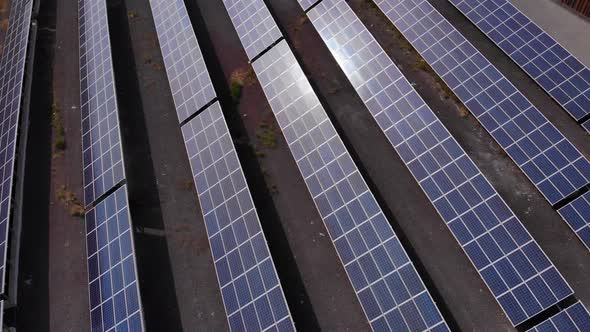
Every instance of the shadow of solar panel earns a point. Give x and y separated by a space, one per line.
12 67
553 67
101 140
386 282
573 319
254 24
189 79
577 216
250 287
547 158
518 273
112 274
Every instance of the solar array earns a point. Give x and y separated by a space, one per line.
553 67
249 283
112 275
577 216
254 24
549 160
391 293
189 79
12 67
250 287
512 264
101 139
575 318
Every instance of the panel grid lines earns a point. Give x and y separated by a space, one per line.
250 287
495 241
548 159
112 273
12 68
577 216
575 318
101 139
391 292
254 24
189 79
554 68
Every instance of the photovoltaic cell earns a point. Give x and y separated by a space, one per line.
553 67
189 79
386 282
112 276
573 319
514 267
254 24
577 216
12 67
250 287
548 159
101 140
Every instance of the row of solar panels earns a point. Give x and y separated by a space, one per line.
391 292
511 263
115 302
12 73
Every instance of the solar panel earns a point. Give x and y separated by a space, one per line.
391 293
577 216
112 274
101 140
549 160
189 79
250 287
553 67
12 67
512 264
573 319
254 24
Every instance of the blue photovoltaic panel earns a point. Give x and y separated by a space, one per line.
250 287
101 140
586 125
511 263
112 275
254 24
573 319
549 160
12 67
577 215
189 79
390 291
553 67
